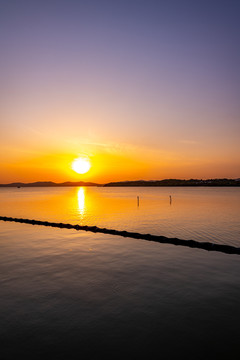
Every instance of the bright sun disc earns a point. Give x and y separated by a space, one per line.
81 165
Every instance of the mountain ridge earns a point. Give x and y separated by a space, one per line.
49 184
165 182
177 182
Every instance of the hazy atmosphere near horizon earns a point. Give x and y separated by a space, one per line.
136 89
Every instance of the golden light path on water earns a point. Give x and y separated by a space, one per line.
81 200
201 214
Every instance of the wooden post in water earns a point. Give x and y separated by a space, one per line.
170 198
137 200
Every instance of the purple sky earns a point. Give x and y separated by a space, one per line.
154 78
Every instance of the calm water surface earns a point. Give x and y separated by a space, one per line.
70 294
204 214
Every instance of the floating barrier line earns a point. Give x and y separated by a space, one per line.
227 249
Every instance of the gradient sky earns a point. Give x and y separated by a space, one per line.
146 89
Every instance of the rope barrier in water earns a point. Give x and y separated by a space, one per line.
227 249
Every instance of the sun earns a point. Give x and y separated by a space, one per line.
81 165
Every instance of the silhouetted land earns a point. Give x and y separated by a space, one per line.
166 182
49 184
177 182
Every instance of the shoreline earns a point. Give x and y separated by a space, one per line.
136 183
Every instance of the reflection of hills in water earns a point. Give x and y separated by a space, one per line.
165 182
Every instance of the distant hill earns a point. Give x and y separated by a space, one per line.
165 182
49 184
177 182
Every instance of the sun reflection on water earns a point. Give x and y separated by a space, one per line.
81 200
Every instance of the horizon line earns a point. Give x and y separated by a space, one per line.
92 183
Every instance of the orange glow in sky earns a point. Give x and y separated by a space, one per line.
151 96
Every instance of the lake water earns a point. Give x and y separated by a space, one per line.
72 294
203 214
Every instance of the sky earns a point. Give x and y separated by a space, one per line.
144 89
